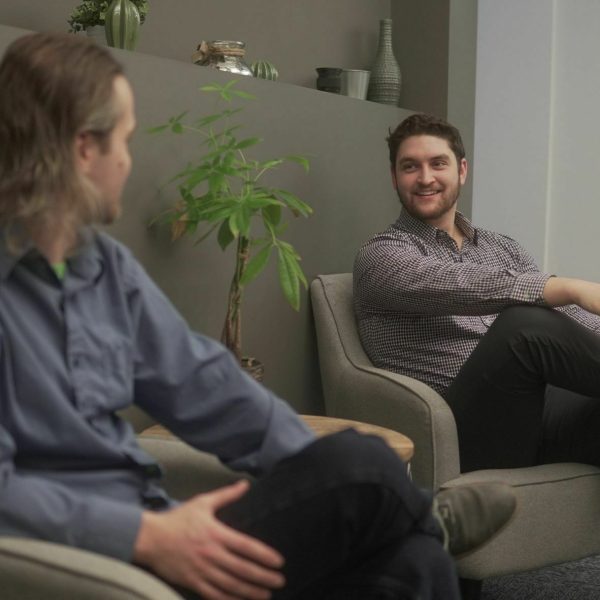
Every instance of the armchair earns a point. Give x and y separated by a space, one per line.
559 504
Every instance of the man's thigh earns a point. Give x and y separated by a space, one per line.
326 509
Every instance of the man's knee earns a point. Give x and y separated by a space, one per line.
356 458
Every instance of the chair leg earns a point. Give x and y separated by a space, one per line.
470 589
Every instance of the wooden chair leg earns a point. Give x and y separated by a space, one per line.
470 589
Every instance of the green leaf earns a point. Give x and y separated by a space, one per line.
211 87
216 181
300 160
179 116
245 95
247 143
157 129
177 127
288 279
294 203
242 220
270 164
224 235
256 265
208 120
196 177
272 214
233 226
217 214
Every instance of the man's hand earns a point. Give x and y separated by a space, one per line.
560 291
190 547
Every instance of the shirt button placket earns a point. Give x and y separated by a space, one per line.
74 351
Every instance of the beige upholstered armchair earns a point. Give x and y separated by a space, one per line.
34 570
559 505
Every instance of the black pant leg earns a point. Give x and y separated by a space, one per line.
498 396
571 427
343 513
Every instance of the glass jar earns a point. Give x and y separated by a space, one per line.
225 55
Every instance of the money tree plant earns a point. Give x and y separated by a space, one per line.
222 191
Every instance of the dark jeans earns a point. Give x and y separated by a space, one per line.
350 524
528 394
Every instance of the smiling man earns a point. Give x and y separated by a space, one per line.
514 351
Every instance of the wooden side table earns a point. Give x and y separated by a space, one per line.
398 442
322 425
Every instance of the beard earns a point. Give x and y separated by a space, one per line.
429 211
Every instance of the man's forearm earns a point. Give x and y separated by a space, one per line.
560 291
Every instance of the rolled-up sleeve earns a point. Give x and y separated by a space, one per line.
393 273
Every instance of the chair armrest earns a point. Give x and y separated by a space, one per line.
187 471
354 389
380 397
35 569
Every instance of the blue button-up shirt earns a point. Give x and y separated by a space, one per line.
72 353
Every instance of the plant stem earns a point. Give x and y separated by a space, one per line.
232 329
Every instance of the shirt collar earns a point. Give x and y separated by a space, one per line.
8 258
86 263
428 232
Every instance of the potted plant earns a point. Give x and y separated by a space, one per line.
222 191
91 13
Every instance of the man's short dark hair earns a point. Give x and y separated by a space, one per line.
422 124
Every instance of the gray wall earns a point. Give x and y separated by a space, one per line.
348 186
573 247
514 118
462 65
421 34
296 36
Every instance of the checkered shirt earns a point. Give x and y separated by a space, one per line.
422 305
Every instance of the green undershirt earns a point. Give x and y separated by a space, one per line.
60 269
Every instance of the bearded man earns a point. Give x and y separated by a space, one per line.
514 351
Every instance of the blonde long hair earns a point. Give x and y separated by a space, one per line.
53 87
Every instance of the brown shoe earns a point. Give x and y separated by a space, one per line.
470 515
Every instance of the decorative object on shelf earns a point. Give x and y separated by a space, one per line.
328 79
355 83
92 13
225 55
263 69
222 190
97 33
386 78
122 24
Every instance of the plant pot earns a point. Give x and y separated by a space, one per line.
253 367
97 33
329 79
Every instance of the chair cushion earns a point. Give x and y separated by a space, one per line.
555 502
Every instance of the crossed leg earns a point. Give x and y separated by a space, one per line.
526 393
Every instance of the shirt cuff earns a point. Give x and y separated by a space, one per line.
111 528
529 288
